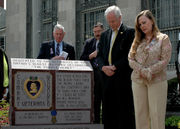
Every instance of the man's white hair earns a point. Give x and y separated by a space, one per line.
115 9
58 27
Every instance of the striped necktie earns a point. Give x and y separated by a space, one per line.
57 49
110 51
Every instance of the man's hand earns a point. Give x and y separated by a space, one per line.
93 55
109 70
58 58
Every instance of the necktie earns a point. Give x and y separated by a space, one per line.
110 51
57 50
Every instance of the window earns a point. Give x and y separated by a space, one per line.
47 31
90 19
48 18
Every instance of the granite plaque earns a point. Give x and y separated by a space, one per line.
69 117
39 64
33 90
33 117
73 90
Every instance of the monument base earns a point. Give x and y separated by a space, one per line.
86 126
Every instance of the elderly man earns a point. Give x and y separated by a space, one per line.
112 59
57 49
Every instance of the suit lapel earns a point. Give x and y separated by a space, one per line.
120 37
64 46
121 31
109 39
94 45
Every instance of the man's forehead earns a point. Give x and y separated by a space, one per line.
97 28
59 31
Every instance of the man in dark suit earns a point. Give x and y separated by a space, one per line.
177 62
4 76
112 58
57 49
89 53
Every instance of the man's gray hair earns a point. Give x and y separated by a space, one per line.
58 27
114 9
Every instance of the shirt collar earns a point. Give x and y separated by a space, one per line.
61 43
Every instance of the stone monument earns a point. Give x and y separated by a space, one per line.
58 94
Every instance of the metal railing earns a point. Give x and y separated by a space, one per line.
171 67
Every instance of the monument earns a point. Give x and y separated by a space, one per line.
51 93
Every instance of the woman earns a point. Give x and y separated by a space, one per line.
148 57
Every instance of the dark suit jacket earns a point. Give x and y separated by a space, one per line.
120 50
90 46
47 50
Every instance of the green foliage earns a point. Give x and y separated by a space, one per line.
4 113
172 121
173 82
173 101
